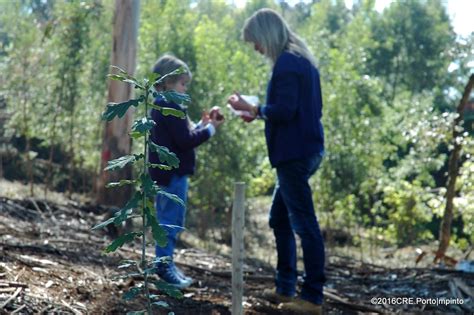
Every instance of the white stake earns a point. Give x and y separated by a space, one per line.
238 215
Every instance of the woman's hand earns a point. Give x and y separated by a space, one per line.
248 117
238 103
249 111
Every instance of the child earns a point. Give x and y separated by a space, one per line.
181 137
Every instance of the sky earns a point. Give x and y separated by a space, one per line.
460 11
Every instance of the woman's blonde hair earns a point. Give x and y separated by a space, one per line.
268 29
167 64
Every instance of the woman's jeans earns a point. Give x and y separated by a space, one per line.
171 214
292 212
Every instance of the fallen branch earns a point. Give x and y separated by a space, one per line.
11 298
225 273
18 309
69 307
7 290
463 287
19 274
17 284
331 294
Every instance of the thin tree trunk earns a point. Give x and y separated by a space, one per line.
71 153
395 81
52 141
116 141
453 170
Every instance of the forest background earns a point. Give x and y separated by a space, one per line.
391 83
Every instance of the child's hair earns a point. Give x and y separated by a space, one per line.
267 28
169 63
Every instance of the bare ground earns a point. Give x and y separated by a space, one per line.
52 263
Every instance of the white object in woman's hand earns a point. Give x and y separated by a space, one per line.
238 103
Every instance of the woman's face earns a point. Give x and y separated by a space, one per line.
258 48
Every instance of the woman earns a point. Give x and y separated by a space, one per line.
295 143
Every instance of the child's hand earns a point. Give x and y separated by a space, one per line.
215 113
205 118
217 122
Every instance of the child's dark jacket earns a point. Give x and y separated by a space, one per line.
179 137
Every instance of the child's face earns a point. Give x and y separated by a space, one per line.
180 86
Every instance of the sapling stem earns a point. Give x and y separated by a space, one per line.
145 163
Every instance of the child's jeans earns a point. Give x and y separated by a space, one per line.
292 212
171 213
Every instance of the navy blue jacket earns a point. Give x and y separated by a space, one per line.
293 110
180 138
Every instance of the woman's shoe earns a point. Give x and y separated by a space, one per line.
272 296
300 306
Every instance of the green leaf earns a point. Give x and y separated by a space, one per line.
158 232
161 304
121 183
175 97
126 211
119 109
167 111
127 276
168 289
150 270
127 264
160 166
171 196
136 135
123 214
149 202
127 76
122 71
143 125
152 78
104 224
121 240
132 293
118 77
180 70
165 155
148 186
121 162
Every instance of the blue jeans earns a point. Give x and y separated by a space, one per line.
171 213
292 212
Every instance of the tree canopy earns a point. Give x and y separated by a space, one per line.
391 82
